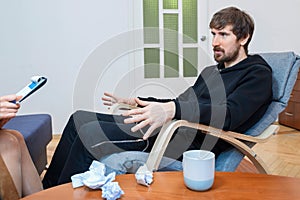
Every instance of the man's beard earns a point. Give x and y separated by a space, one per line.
231 57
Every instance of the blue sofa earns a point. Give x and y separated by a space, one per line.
37 132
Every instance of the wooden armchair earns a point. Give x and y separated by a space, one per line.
285 66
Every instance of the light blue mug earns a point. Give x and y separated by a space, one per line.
198 169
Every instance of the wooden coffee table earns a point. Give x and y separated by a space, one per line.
170 185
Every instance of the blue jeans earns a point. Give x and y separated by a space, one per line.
130 161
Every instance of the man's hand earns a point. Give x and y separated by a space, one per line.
153 113
109 100
8 109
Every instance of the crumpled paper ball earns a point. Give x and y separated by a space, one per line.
95 179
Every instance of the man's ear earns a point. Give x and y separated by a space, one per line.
243 41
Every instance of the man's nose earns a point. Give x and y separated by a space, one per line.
215 41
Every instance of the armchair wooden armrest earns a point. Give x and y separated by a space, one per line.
236 139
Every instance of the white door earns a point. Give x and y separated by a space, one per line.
171 46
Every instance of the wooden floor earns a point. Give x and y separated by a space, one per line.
281 153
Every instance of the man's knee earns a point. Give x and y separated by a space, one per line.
82 116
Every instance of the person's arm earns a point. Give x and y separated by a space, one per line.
153 99
151 111
110 99
253 92
154 114
8 109
250 99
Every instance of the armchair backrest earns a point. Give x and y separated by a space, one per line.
285 67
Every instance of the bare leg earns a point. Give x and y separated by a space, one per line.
31 181
16 156
11 154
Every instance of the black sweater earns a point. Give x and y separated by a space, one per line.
233 98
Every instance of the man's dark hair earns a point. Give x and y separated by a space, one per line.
242 24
